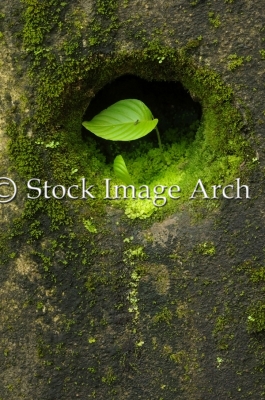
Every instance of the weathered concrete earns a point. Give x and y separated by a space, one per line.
167 309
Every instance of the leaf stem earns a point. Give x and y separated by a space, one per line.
160 145
159 139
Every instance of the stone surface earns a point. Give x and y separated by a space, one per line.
134 310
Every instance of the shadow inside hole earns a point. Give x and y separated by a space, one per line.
178 114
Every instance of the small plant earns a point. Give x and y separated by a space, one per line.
125 120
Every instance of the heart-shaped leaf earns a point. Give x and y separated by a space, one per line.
125 120
121 171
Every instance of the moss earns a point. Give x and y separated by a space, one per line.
236 61
262 54
89 226
255 313
214 19
163 316
222 329
256 317
193 43
109 378
206 248
258 275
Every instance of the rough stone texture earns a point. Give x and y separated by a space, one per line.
67 330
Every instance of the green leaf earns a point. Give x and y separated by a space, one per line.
121 171
125 120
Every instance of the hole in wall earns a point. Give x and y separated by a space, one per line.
178 114
197 144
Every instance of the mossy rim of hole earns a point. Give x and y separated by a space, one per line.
213 152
